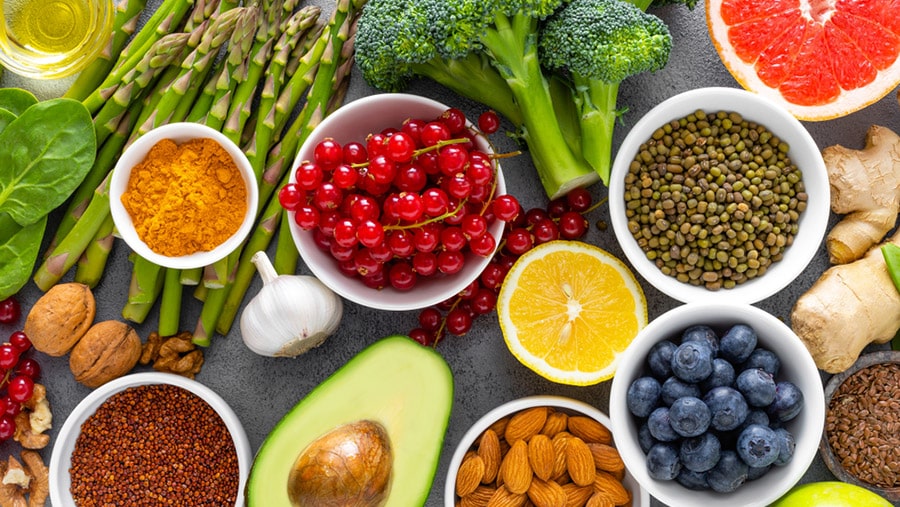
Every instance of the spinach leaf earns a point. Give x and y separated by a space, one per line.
5 118
46 153
16 100
19 247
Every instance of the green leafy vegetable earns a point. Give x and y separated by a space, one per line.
16 100
891 253
47 151
19 247
5 119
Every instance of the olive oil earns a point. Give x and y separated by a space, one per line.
59 26
53 38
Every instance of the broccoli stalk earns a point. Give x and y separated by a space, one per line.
600 43
400 38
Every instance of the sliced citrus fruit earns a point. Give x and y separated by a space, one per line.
568 310
819 59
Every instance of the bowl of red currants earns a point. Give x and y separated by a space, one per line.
397 202
717 404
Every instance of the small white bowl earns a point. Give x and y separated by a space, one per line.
137 151
353 122
60 459
640 496
804 153
797 367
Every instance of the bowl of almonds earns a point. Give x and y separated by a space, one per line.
546 450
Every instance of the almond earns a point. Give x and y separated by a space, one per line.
580 462
525 424
489 450
589 430
515 471
499 426
559 442
469 475
479 497
606 483
599 500
606 457
546 494
556 422
503 497
541 456
577 496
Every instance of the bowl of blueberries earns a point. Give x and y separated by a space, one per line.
717 404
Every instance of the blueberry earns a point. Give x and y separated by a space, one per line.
643 396
756 416
701 453
660 427
788 402
692 480
762 358
727 407
662 462
674 388
702 333
758 445
728 474
659 359
754 473
692 361
786 446
645 438
737 343
757 386
689 416
722 375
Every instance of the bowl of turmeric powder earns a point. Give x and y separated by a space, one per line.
183 196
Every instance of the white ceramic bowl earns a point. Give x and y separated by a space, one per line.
797 367
640 496
137 151
353 122
803 152
60 459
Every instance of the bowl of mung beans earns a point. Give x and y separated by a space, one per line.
150 438
719 193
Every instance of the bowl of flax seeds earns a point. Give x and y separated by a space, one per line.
861 441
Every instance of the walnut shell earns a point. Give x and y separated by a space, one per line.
107 351
60 318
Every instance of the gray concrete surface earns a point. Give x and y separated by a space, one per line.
261 390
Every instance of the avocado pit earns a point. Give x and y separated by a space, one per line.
350 465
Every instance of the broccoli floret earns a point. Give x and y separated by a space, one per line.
600 43
471 33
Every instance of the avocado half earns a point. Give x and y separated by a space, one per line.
405 387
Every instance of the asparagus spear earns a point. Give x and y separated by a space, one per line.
170 303
125 23
137 312
92 261
202 11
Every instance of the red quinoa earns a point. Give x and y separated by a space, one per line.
154 445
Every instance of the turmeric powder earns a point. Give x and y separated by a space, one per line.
186 198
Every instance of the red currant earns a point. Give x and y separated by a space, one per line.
410 207
290 196
557 207
535 215
29 367
371 234
435 201
426 238
519 241
20 388
20 341
400 147
572 225
376 144
545 230
411 178
449 262
307 217
578 199
341 253
488 122
365 264
9 356
308 175
452 159
458 186
10 311
382 169
453 239
7 427
473 225
402 276
430 319
454 119
413 128
344 176
363 207
355 153
479 172
492 276
401 243
328 153
424 263
345 233
423 337
434 133
506 207
327 196
459 322
483 245
484 301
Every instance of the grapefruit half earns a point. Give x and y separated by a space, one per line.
820 59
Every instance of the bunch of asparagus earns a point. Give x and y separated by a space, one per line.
244 70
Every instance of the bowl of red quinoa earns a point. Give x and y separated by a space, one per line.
861 441
719 194
150 439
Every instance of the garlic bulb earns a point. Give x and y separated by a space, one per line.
291 313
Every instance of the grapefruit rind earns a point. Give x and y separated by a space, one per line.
843 103
538 364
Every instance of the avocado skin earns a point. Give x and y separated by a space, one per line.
396 382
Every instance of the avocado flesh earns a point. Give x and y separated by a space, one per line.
405 387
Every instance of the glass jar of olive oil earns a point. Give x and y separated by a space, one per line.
47 39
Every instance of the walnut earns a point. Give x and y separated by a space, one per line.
59 319
40 479
34 420
173 354
107 351
12 491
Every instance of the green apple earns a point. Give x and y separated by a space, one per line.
830 494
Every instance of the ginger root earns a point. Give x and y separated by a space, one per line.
849 307
865 185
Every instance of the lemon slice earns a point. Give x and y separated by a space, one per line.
568 310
